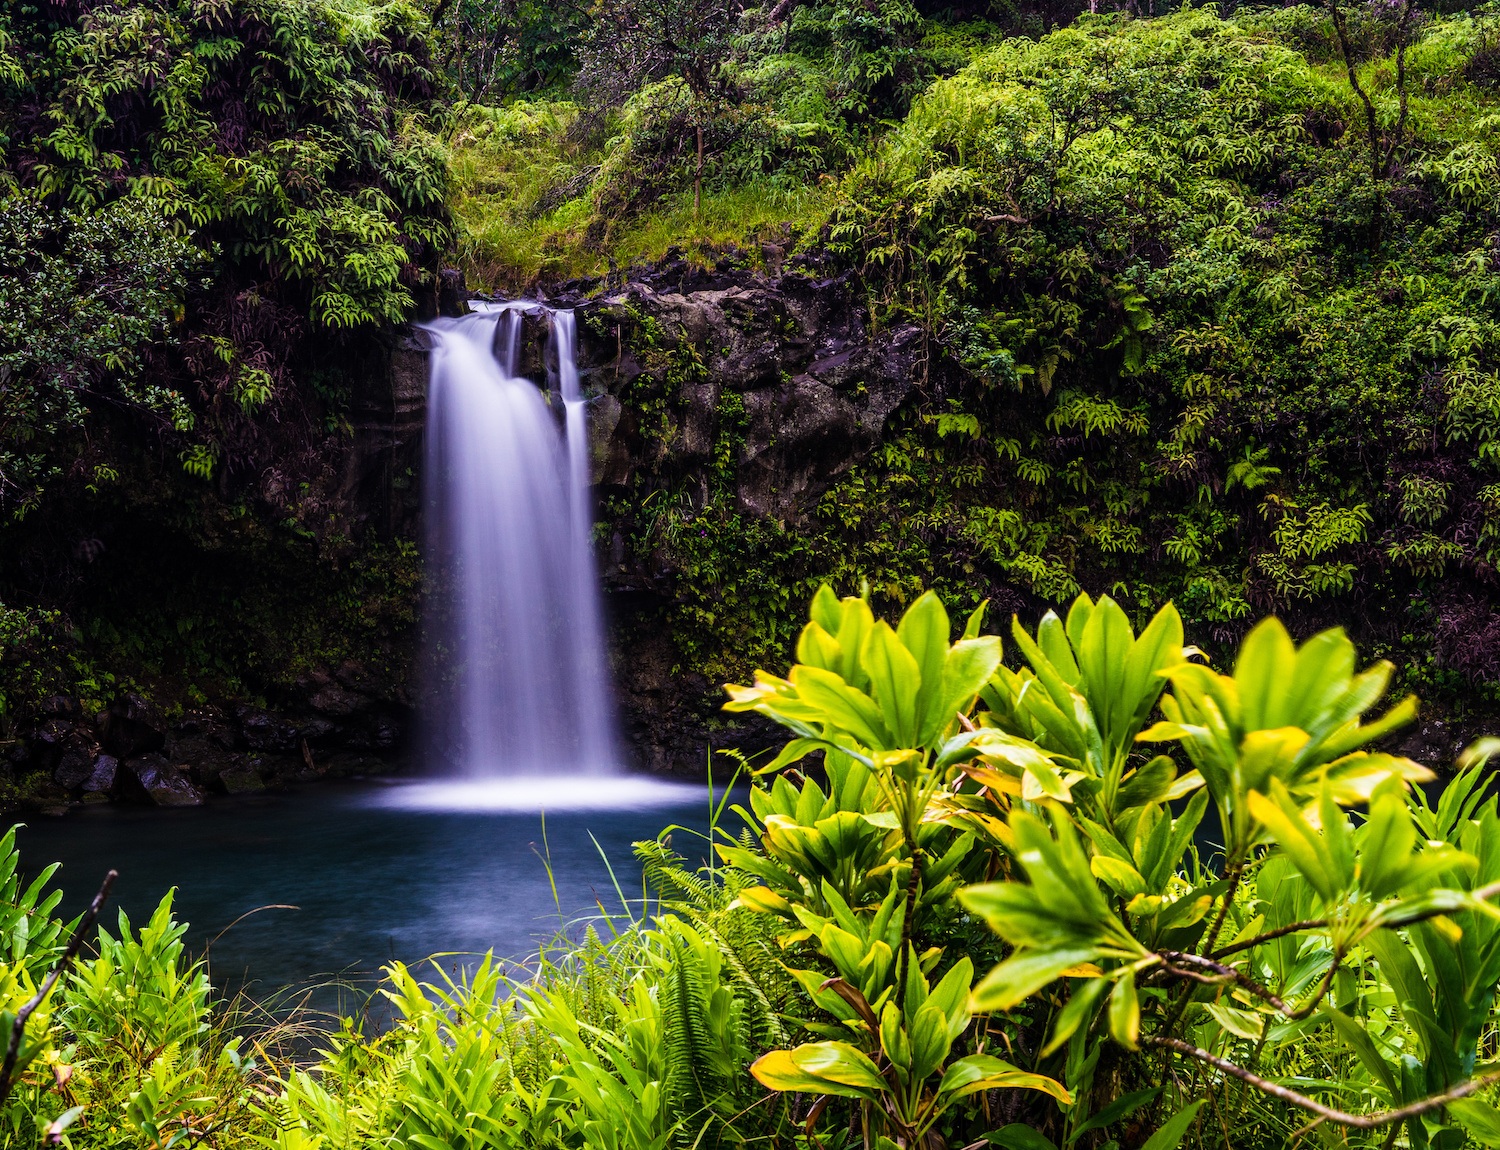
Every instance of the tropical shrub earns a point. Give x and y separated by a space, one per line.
1164 352
284 142
1146 971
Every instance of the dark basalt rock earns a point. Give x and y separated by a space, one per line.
263 731
816 386
104 776
74 769
240 780
151 778
132 726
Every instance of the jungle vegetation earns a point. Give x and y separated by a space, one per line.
1210 297
1209 306
1109 896
1207 295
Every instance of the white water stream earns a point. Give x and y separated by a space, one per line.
510 525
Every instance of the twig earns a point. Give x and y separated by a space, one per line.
1236 872
75 944
243 917
1372 125
1325 1113
1279 932
1174 957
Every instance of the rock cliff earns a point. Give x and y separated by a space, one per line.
770 386
761 387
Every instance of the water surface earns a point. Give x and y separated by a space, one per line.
379 871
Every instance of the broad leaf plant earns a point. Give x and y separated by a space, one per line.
1187 870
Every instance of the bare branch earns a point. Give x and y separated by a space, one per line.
1372 125
1325 1113
1279 932
1222 972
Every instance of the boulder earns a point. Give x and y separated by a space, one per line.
241 780
267 732
352 765
152 778
203 757
105 775
132 726
74 768
338 701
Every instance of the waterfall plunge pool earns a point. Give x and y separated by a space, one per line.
293 891
379 870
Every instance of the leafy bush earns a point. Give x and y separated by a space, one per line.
1367 939
83 295
1185 347
282 146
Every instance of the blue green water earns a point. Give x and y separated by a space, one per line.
377 871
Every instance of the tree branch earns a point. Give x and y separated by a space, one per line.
1371 123
1279 932
1222 972
75 944
1403 28
1325 1113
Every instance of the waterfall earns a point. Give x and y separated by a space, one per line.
510 527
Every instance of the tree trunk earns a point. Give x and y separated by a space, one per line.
698 178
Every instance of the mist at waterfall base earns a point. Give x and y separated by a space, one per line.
519 710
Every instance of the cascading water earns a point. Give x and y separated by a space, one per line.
510 523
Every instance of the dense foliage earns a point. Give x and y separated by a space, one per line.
276 140
1220 360
207 213
1107 897
1190 332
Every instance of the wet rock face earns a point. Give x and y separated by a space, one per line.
344 725
815 386
786 358
783 366
132 726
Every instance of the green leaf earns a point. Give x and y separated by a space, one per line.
975 620
1265 666
1125 1013
985 1072
1078 1011
1052 638
1480 1120
1022 975
1120 877
1241 1023
1169 1137
895 682
967 667
820 1068
1303 845
1355 1037
826 611
1150 784
1102 657
1119 1108
843 706
1019 1137
924 632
